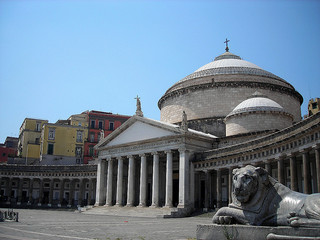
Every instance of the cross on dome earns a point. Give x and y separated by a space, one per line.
226 42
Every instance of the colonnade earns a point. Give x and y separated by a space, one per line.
24 190
298 170
108 167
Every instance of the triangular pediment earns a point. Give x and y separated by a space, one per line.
139 129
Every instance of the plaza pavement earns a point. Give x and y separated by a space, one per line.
58 224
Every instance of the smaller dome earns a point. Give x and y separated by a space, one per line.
256 103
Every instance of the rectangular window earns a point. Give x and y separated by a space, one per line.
91 137
78 151
38 127
50 149
79 136
51 134
93 123
90 151
100 125
111 126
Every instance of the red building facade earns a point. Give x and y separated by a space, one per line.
100 123
8 149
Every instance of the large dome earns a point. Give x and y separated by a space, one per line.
211 92
228 63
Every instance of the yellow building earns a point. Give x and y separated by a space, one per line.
29 138
63 143
313 106
79 120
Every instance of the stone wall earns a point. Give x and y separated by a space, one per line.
245 123
219 101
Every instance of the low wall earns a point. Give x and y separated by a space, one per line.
245 232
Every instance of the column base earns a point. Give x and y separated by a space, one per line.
108 205
154 206
168 206
118 205
142 205
130 205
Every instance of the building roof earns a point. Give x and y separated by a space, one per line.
228 63
257 103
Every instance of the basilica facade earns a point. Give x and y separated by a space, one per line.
225 115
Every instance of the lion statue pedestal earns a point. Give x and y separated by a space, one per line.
259 200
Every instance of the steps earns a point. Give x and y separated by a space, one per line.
132 211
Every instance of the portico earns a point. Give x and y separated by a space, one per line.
146 163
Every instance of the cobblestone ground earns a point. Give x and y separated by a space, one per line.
51 224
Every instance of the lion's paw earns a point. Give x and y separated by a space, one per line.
223 220
293 220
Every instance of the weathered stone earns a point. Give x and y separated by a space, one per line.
245 232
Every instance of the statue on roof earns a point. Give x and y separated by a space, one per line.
184 122
139 111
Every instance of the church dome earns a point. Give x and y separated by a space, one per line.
256 103
213 91
258 113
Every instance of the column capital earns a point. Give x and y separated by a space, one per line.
155 153
167 151
281 157
182 149
120 158
130 156
305 150
292 154
316 146
142 155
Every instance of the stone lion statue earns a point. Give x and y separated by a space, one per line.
258 199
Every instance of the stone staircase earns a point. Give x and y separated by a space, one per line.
134 211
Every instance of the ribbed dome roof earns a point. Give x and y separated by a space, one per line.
224 64
229 63
257 103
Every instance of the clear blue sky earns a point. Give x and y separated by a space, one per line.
59 58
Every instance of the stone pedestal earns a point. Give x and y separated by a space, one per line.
245 232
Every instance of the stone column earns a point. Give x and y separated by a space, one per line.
8 190
30 191
50 193
40 191
192 185
71 192
81 192
119 182
143 181
90 192
293 172
20 185
306 171
155 180
207 190
183 178
169 179
130 200
230 180
317 156
280 170
100 182
267 166
62 181
109 183
219 188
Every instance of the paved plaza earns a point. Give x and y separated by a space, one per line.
58 224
